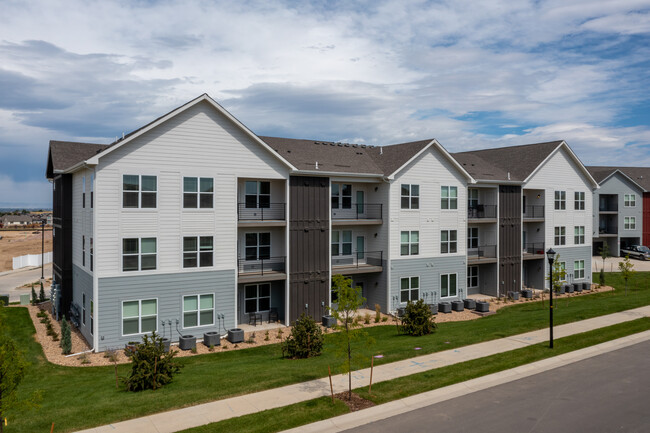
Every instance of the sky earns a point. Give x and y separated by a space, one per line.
472 74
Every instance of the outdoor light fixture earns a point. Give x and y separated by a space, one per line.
551 258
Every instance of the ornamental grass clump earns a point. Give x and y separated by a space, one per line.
417 319
151 367
305 340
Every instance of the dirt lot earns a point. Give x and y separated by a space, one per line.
18 243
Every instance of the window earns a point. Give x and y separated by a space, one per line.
341 242
138 254
197 251
472 198
449 197
258 246
560 200
410 243
579 203
410 196
472 237
341 196
198 310
139 317
257 298
198 192
560 235
83 191
92 190
563 271
448 286
409 289
258 194
579 232
579 270
83 251
91 254
83 309
630 223
448 241
139 191
472 276
629 200
92 316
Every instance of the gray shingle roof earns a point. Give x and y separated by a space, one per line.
640 175
65 154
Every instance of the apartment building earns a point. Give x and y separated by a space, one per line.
621 207
193 223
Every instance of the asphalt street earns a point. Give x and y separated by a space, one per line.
606 393
11 280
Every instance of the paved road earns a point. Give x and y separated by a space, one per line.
10 281
606 393
611 264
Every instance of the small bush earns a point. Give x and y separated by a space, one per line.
417 319
280 333
66 338
34 299
266 336
84 359
366 319
601 277
41 295
151 367
377 313
384 319
305 340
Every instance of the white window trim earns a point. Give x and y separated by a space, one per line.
139 316
448 199
410 197
579 201
478 276
577 236
198 251
257 298
561 236
561 201
340 243
121 256
449 291
449 241
629 223
576 270
198 207
629 198
198 311
340 195
469 237
409 243
139 191
83 309
410 289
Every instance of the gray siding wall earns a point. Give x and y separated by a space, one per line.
569 255
277 301
429 271
169 290
487 280
376 289
82 283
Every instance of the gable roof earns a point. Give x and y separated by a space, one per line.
640 176
63 155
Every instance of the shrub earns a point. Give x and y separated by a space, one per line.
366 319
66 338
601 277
417 319
377 313
41 295
305 340
151 367
33 295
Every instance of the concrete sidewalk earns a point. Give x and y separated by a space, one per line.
180 419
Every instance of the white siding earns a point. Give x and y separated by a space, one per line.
82 218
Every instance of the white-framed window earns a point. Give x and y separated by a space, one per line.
83 309
198 310
472 276
139 317
257 298
341 242
410 243
560 200
448 197
92 191
409 289
410 196
579 200
258 194
579 270
629 200
579 235
258 246
472 237
448 241
560 235
341 196
92 316
472 198
92 254
198 192
139 191
83 191
139 254
198 251
563 269
629 223
448 285
83 250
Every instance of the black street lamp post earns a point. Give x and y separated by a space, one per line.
551 258
42 249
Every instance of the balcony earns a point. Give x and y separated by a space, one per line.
533 250
608 208
482 213
359 262
604 232
274 214
358 214
482 254
534 213
268 269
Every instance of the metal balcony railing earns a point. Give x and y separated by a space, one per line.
359 259
608 207
359 211
608 230
273 211
262 266
534 248
483 251
482 211
534 211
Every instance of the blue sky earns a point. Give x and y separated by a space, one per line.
471 74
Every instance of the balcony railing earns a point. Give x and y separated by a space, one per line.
534 248
482 211
534 211
482 252
274 211
360 211
359 259
262 266
608 231
608 207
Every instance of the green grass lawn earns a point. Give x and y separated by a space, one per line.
71 394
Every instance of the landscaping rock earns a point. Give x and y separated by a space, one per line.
457 305
470 304
444 307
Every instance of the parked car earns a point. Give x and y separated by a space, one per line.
638 251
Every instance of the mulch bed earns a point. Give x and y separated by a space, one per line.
357 402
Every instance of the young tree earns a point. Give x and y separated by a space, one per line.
41 295
34 298
12 371
626 268
604 252
559 274
66 337
349 300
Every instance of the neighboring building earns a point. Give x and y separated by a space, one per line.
526 199
16 220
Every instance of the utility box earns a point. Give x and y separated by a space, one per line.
24 299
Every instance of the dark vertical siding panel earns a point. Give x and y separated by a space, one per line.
646 220
509 238
62 248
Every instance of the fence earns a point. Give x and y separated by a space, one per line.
31 260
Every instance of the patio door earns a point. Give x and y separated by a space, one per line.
361 249
361 202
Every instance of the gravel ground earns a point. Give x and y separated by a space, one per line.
53 353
